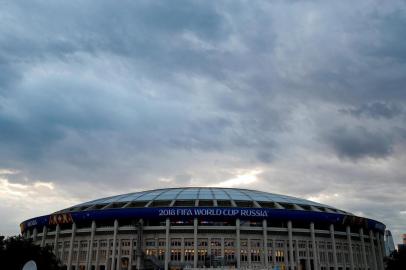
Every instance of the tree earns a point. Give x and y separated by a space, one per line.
15 251
397 260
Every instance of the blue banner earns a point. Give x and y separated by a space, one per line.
203 213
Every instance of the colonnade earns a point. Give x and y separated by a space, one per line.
376 257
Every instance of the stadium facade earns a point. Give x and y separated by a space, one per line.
191 228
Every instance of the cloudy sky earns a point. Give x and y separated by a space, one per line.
304 98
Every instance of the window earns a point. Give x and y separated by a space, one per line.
229 254
202 242
94 255
74 255
176 242
202 254
215 242
244 255
279 256
270 255
103 254
125 243
175 254
256 243
103 243
229 242
83 244
189 254
255 255
150 242
189 243
302 244
150 252
82 255
65 256
161 254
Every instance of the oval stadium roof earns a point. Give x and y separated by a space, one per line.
206 194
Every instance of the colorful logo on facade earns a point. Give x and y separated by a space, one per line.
65 218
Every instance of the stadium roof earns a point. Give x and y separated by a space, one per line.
232 195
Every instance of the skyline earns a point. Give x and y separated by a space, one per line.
302 98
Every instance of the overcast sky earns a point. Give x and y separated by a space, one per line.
303 98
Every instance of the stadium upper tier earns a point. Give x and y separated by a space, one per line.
204 196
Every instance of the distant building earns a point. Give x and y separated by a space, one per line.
402 247
389 244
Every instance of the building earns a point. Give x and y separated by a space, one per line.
190 228
389 244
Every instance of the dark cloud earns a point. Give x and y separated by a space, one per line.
358 142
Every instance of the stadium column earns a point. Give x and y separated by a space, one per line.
118 264
44 235
72 239
297 252
130 261
308 266
195 255
265 250
249 253
380 254
238 243
96 266
222 247
374 261
209 249
78 255
291 259
90 248
364 254
380 250
34 235
273 252
333 244
167 244
140 241
182 250
381 238
113 255
57 229
313 236
349 240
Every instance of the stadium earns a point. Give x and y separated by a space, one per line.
203 227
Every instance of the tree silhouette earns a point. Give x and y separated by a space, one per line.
15 251
397 260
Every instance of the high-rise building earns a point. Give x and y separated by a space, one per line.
389 244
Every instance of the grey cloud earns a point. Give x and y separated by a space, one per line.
376 110
358 142
112 96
